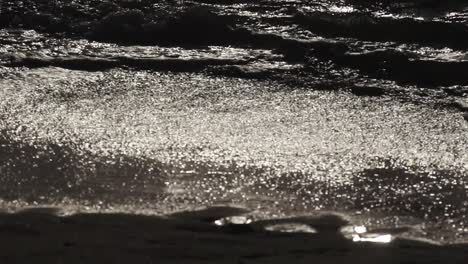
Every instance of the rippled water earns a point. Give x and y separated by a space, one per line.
284 107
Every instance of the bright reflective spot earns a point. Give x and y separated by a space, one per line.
375 238
291 228
341 9
360 229
235 220
453 14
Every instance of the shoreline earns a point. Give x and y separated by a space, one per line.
40 236
187 140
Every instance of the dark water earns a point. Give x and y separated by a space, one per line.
283 107
334 43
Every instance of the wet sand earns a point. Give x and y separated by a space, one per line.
38 235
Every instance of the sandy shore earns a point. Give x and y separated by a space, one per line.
40 236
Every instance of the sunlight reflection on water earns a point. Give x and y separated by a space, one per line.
360 233
378 238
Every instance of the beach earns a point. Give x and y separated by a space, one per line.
235 132
41 236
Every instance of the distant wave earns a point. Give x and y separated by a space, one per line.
339 43
367 27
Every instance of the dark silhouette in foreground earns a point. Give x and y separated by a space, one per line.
40 236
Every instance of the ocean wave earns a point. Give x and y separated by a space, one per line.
410 5
88 63
406 68
367 27
343 44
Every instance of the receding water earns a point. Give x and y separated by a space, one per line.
283 107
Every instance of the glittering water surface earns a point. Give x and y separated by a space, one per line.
287 109
172 141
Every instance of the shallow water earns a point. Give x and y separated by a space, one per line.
285 108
